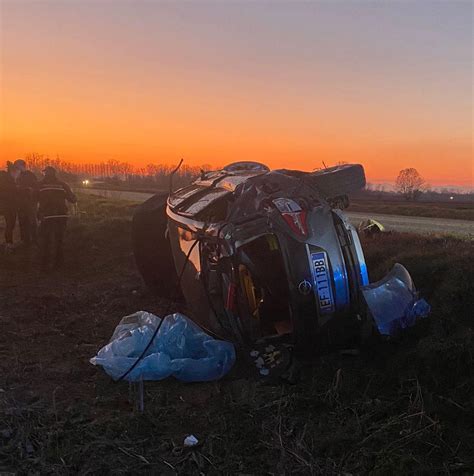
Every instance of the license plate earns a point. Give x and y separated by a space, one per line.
322 282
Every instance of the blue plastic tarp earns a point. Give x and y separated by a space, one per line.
180 349
393 302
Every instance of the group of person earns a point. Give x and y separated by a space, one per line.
39 206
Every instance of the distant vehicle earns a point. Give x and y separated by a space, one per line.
92 182
269 254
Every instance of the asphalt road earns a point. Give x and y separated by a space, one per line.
391 222
417 224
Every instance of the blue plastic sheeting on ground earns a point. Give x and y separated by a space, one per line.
180 349
393 302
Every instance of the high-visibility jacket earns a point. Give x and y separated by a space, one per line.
52 197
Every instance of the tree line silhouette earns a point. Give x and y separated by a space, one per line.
156 176
116 172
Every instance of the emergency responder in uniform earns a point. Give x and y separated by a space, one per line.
53 214
8 201
27 203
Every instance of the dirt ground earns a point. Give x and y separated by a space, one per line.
403 408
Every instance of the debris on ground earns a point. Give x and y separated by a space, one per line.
175 347
190 440
370 227
270 359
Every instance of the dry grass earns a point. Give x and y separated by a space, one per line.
401 408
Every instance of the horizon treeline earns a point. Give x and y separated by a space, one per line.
157 176
153 175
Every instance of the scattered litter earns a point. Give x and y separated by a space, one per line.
270 359
180 349
370 227
191 440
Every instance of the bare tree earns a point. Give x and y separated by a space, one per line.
409 183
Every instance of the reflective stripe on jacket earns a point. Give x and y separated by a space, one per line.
52 197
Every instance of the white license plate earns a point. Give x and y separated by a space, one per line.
322 282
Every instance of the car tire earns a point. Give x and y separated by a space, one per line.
151 247
339 180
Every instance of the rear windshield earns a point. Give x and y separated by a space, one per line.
193 207
185 193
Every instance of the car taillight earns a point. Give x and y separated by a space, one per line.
293 215
297 222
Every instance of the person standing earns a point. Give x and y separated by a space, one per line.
53 195
27 203
8 201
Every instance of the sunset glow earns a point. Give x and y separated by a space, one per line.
289 84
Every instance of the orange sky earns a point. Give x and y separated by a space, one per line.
389 86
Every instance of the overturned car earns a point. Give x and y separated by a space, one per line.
260 253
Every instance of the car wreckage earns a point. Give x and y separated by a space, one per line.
269 254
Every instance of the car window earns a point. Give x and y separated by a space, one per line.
196 206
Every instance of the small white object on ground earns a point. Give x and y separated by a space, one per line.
191 440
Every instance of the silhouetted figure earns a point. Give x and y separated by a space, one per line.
53 214
27 203
8 201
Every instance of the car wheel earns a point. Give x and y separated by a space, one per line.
151 247
339 180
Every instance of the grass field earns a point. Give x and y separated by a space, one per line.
403 408
454 210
